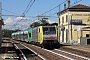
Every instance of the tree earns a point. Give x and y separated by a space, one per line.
35 24
41 22
44 22
7 33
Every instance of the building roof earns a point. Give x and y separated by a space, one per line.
80 6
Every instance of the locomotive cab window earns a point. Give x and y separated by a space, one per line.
52 28
49 30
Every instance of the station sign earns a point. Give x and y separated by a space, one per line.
76 22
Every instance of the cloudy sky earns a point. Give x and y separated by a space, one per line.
17 23
20 23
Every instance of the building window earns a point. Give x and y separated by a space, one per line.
62 19
66 18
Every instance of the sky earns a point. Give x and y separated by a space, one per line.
16 8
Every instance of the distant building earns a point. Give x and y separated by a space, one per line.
74 19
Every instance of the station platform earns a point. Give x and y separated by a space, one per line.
85 48
7 51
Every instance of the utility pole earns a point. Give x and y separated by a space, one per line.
59 24
0 11
0 24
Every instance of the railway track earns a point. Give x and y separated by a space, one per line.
55 54
67 55
71 55
27 51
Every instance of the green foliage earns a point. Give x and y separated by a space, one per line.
35 24
42 22
7 33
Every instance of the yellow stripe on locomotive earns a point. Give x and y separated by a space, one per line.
40 34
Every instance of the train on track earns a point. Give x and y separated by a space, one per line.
44 36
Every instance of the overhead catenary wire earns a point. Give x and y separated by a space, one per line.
59 5
28 8
53 8
76 1
11 12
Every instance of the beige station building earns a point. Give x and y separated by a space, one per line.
74 24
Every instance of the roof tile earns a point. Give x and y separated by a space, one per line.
80 6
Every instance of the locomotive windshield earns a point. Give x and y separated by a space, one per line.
49 30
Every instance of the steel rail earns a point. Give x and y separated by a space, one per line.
73 54
21 52
34 52
56 53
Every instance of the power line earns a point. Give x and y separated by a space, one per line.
11 15
11 12
28 7
49 10
76 2
53 8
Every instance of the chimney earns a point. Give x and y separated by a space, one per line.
64 6
68 3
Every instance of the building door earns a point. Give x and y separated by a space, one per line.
66 35
62 36
88 41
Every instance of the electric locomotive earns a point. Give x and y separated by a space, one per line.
46 36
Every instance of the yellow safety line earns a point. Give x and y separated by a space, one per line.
5 53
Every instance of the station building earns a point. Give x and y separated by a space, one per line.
74 24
